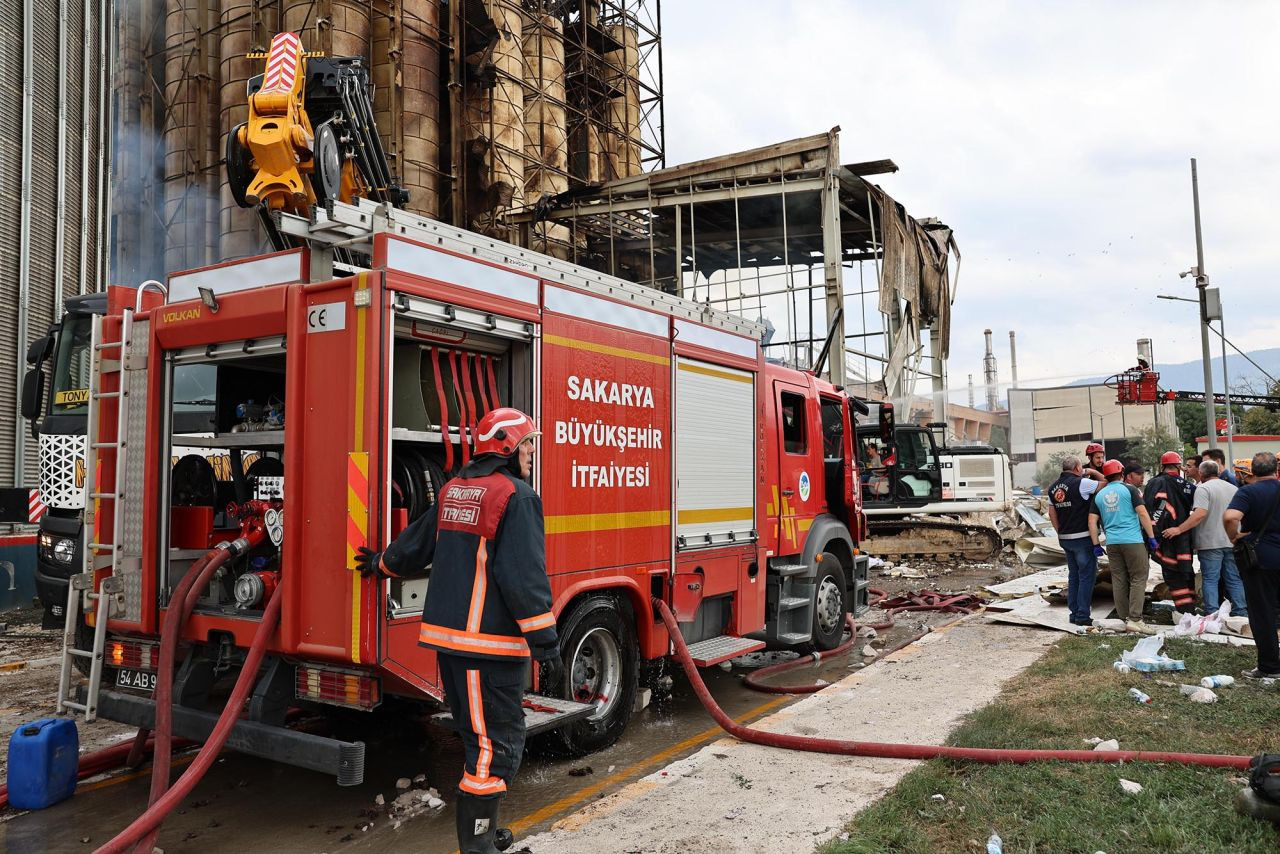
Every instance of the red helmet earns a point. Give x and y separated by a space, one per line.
1094 448
1171 458
1111 467
502 430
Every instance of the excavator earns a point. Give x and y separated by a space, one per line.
923 500
282 160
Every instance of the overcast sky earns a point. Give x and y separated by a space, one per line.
1055 138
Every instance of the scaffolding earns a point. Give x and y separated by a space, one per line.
789 232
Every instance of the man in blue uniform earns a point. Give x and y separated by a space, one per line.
488 606
1069 499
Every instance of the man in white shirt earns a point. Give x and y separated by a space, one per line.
1213 546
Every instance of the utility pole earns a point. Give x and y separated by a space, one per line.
1202 284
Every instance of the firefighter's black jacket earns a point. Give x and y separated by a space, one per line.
489 596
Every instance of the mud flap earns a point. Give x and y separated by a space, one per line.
541 714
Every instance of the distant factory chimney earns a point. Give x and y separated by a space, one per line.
971 391
989 376
1013 358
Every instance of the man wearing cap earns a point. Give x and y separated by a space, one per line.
1069 499
1169 498
1118 511
1095 455
1135 474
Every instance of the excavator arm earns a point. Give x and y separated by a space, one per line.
310 137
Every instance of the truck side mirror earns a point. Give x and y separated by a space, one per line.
32 393
39 350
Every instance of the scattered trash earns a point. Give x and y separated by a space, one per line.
1147 657
403 783
611 767
1104 646
1093 740
435 803
1139 696
1217 681
937 797
1120 667
379 800
421 778
869 651
995 845
867 632
726 666
1199 695
1193 624
1109 744
1129 787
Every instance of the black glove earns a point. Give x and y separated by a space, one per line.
552 666
368 561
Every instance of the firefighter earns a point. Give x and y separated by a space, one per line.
1096 455
1168 498
487 609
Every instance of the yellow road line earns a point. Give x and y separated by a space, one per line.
524 823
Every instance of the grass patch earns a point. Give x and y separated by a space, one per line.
1069 695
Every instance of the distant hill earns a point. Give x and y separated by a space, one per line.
1189 376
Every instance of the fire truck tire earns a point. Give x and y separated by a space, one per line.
830 594
601 665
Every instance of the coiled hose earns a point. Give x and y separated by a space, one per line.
887 750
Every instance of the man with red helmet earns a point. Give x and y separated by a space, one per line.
1118 511
1094 455
488 606
1169 499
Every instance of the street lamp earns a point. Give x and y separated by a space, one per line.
1211 309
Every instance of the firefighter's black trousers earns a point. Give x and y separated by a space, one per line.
486 698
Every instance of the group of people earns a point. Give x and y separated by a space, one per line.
1192 507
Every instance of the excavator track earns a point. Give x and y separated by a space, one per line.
914 536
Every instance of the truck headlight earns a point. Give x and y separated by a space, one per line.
64 550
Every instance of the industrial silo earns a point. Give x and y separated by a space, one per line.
546 132
406 74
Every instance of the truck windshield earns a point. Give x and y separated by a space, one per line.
71 366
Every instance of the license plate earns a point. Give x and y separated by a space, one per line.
139 680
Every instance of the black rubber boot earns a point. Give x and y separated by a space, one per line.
477 824
503 839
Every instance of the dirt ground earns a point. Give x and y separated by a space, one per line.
30 658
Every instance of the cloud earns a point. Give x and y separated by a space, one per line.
1055 139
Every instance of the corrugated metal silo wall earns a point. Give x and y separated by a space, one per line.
34 261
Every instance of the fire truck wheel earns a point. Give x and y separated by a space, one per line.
601 666
830 595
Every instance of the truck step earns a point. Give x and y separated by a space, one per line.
715 650
786 570
540 713
792 638
790 603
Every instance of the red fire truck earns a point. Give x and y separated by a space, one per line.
675 462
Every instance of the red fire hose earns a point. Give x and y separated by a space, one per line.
753 679
181 603
915 751
149 822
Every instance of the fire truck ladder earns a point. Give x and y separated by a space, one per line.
80 589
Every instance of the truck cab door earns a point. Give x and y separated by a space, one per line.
796 494
917 478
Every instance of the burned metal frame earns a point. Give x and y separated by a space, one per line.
750 227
